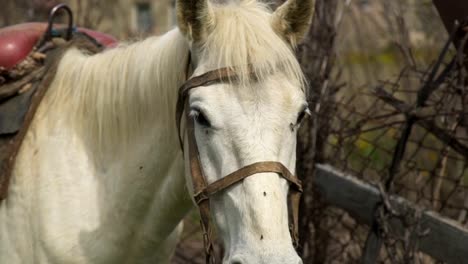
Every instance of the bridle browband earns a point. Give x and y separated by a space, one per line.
202 190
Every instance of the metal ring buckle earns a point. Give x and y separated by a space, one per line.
200 196
53 13
206 243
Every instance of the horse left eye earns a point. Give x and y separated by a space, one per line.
202 120
301 116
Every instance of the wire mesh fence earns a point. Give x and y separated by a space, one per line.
432 172
408 136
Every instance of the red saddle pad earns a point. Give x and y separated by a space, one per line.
17 41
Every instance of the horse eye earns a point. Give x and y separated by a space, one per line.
202 120
301 116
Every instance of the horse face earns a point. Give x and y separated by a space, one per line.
240 123
237 126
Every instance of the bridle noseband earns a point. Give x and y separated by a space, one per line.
202 190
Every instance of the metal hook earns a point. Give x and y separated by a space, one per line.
52 15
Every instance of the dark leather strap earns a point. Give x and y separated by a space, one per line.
239 175
199 182
295 198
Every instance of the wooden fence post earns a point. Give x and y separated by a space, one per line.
445 239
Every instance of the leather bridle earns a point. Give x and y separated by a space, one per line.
202 190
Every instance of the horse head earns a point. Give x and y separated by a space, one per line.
243 107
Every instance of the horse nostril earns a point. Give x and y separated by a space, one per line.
236 260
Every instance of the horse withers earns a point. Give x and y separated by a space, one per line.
100 176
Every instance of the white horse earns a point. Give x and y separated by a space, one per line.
100 175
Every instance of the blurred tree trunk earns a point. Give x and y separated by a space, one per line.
316 56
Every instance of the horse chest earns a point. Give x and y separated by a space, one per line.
79 212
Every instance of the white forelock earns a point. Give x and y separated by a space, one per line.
240 35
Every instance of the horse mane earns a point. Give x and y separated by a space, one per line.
114 96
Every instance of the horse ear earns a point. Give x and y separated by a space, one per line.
292 19
194 18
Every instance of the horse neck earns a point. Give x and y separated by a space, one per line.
117 97
121 103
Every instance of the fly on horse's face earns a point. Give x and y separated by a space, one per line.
247 120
